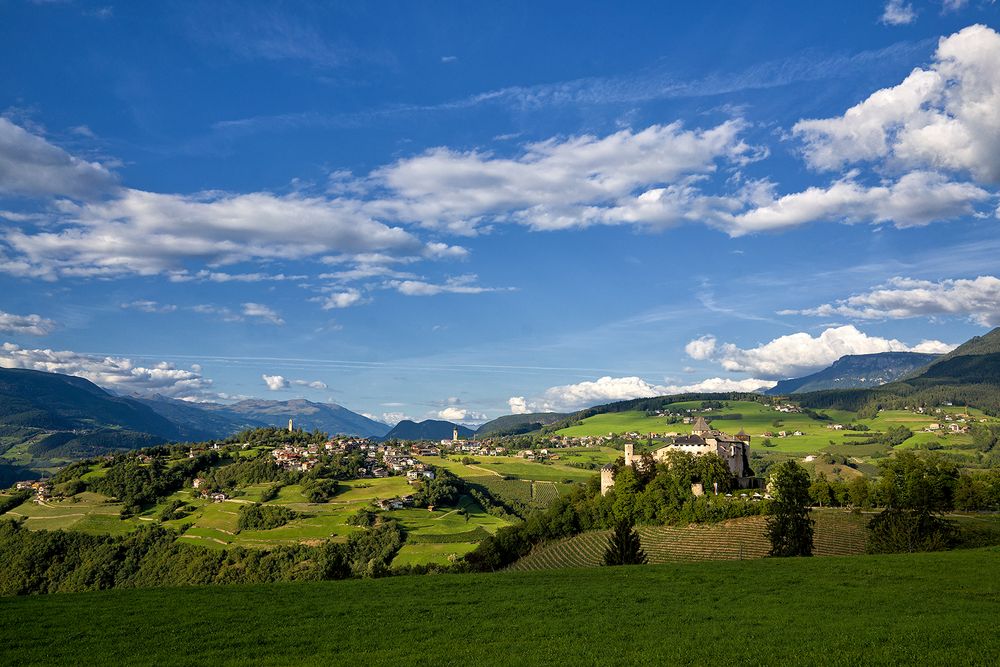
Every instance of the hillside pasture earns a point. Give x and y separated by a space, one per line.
758 419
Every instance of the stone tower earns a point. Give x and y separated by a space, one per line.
454 434
700 427
629 454
607 478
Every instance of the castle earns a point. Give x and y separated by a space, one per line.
733 449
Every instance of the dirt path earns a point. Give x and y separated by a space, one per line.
486 470
210 539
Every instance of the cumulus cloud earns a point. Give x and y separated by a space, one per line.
26 325
701 348
118 373
279 382
261 312
977 299
916 199
518 405
898 12
275 382
607 389
553 184
31 166
149 233
342 299
941 117
801 353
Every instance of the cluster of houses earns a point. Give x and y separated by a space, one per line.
41 488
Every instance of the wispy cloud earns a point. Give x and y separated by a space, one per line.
656 82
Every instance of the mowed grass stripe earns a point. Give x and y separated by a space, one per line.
933 608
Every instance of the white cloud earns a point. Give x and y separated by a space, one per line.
553 184
456 414
148 306
977 299
31 166
953 5
701 348
941 117
343 299
393 418
118 373
721 385
518 405
262 312
312 384
27 325
898 12
148 233
456 285
801 353
280 382
275 382
573 397
916 199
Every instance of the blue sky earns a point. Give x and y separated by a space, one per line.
467 209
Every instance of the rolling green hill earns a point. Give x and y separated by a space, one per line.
928 608
518 424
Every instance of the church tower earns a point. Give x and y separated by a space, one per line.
454 434
290 429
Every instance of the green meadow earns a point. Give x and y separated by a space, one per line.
928 608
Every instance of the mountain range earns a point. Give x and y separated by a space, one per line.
58 417
855 371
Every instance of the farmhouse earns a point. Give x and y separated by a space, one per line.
733 449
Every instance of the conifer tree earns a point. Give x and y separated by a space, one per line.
624 547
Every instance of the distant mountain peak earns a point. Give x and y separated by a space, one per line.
854 371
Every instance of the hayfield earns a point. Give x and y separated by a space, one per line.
934 608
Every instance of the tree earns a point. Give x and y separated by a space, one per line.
788 525
624 547
916 492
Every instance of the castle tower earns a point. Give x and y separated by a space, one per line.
700 427
629 454
607 478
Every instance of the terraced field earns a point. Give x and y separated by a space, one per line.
838 533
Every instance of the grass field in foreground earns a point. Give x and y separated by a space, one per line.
936 608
